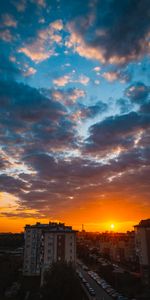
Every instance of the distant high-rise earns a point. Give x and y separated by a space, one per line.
47 243
142 236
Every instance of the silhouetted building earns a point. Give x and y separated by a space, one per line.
142 238
47 243
118 246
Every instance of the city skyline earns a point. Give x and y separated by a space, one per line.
74 113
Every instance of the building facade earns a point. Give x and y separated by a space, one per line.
120 247
142 239
45 244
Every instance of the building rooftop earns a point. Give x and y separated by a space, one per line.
143 223
51 226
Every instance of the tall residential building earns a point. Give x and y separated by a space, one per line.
120 247
47 243
142 238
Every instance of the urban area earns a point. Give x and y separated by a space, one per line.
53 261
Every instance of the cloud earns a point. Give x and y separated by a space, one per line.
30 71
110 76
111 32
145 108
83 79
137 92
43 46
10 185
94 110
118 132
97 69
47 161
8 21
122 76
4 162
66 79
20 6
77 43
57 25
30 120
30 105
41 3
124 105
75 94
54 182
21 214
6 35
37 52
97 82
62 81
51 187
8 69
83 112
68 96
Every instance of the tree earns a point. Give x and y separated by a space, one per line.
61 282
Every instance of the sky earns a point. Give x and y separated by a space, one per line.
74 113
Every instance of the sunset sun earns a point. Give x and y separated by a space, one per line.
112 226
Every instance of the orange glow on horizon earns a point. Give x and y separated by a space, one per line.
94 214
17 225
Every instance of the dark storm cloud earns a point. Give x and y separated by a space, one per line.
27 104
94 110
137 92
112 31
117 131
128 184
31 119
56 134
21 215
145 108
133 159
4 163
124 105
10 184
116 29
8 69
65 183
59 183
83 112
55 181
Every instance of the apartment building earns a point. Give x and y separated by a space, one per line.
142 239
119 247
48 243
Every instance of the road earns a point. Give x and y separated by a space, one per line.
100 293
